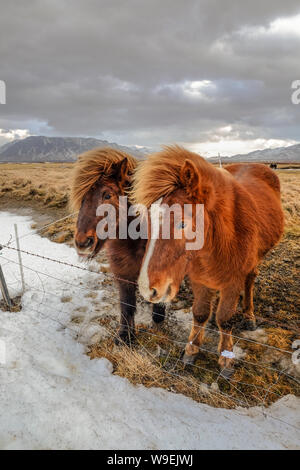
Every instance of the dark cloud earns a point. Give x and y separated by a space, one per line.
150 72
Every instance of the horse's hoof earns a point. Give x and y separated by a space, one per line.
249 325
227 372
157 326
189 360
157 318
158 313
124 339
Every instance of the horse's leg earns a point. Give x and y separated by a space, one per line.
229 298
248 309
201 313
158 313
128 307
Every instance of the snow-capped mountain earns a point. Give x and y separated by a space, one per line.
56 149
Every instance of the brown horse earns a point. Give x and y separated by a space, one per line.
243 220
100 177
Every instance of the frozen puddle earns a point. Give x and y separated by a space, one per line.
52 396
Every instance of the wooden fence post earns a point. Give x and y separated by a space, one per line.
20 258
4 289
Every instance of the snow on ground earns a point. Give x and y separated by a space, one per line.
52 396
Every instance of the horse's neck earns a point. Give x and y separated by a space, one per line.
125 257
221 227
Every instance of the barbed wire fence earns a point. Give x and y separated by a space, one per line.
172 366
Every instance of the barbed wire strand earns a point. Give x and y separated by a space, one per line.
118 279
76 212
160 337
264 365
74 331
12 239
202 349
132 282
114 334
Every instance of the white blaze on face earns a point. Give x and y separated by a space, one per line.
156 219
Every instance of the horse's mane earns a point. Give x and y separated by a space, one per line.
159 175
91 166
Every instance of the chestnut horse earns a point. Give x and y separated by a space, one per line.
243 220
100 176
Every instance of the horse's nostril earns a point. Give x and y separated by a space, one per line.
89 242
154 293
85 244
77 243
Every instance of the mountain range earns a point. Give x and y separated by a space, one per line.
66 149
56 149
290 154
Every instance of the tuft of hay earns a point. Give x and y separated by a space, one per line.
142 367
154 361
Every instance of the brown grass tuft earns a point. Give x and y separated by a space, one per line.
141 367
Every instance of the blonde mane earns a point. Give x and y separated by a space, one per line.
159 175
92 165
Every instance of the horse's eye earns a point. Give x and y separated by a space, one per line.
181 224
107 196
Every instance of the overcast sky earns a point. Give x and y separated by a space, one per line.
213 75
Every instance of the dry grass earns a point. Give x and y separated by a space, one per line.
155 359
43 186
16 305
290 199
143 364
45 183
62 231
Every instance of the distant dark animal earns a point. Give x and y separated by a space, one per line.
273 166
243 220
100 177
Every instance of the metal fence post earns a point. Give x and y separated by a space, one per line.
4 289
20 258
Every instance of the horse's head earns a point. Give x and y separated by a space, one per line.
106 189
175 233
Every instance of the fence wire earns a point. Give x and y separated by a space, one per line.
206 328
263 391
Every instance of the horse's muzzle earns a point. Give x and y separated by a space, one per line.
87 246
89 242
158 295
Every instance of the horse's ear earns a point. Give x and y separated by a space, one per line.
190 178
121 172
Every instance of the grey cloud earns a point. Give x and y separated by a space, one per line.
116 69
